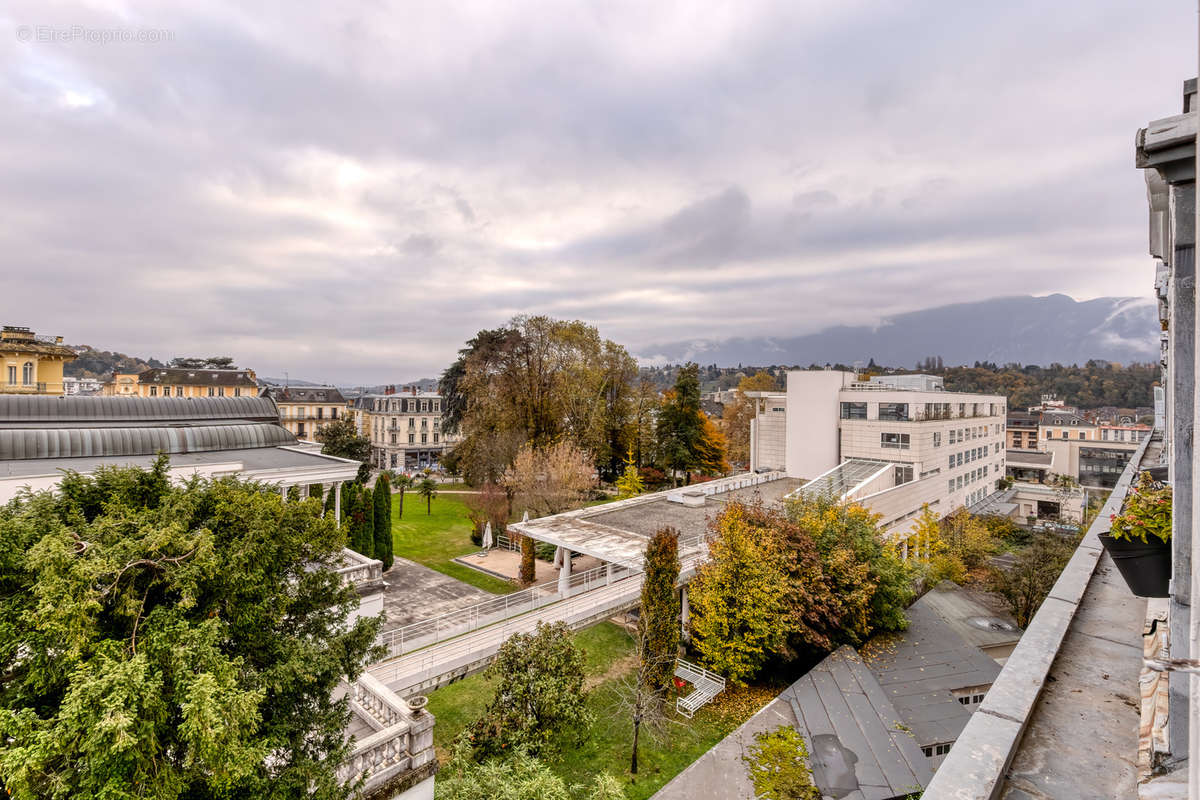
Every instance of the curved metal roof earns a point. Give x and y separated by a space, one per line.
77 442
18 411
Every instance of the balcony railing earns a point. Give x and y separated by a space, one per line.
402 741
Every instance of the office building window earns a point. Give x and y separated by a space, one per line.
951 464
899 441
893 411
903 473
937 438
950 485
854 410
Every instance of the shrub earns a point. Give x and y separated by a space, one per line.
1147 512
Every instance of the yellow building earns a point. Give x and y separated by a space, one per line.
183 382
31 364
305 410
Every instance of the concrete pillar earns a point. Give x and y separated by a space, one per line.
609 569
564 574
685 613
1182 361
337 503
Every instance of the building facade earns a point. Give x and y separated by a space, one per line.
1068 425
32 364
893 443
74 386
183 382
405 429
1022 430
305 410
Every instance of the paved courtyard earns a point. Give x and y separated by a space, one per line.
507 563
415 592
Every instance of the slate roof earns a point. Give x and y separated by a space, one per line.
859 748
194 377
1065 418
921 667
307 394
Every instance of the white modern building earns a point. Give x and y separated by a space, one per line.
892 443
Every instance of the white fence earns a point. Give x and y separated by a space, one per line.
496 609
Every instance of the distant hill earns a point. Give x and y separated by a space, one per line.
1026 330
93 363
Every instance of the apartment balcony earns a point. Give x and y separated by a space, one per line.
31 388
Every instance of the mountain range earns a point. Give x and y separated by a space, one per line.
1023 329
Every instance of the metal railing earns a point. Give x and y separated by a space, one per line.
425 632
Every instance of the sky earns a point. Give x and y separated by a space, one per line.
348 191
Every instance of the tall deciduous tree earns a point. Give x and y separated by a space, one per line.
383 520
172 641
340 438
738 598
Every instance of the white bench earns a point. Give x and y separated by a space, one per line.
705 686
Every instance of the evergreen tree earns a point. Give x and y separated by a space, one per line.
383 521
331 500
630 483
658 625
528 567
680 428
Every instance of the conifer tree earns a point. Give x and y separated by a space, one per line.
383 521
658 627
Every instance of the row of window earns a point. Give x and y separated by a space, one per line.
304 413
408 405
213 391
974 454
901 412
412 438
936 750
966 479
26 374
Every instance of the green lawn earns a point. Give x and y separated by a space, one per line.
435 538
606 747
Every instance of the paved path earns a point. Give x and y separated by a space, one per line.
415 592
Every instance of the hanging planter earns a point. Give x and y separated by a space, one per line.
1139 541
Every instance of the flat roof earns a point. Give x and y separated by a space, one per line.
618 532
1029 458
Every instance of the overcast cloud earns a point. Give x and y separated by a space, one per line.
347 192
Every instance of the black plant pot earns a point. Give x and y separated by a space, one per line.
1146 568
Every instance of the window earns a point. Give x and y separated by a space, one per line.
237 391
951 464
222 391
1016 444
898 441
958 460
437 405
435 436
424 438
424 406
299 428
412 437
954 437
320 413
12 374
958 483
937 438
1065 434
1082 435
854 410
893 411
27 373
212 391
393 438
903 473
154 391
424 423
950 486
412 422
179 391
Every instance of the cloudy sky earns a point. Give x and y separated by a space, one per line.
348 190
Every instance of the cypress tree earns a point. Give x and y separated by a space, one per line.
329 500
658 622
383 521
528 570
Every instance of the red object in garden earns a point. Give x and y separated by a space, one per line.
680 683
